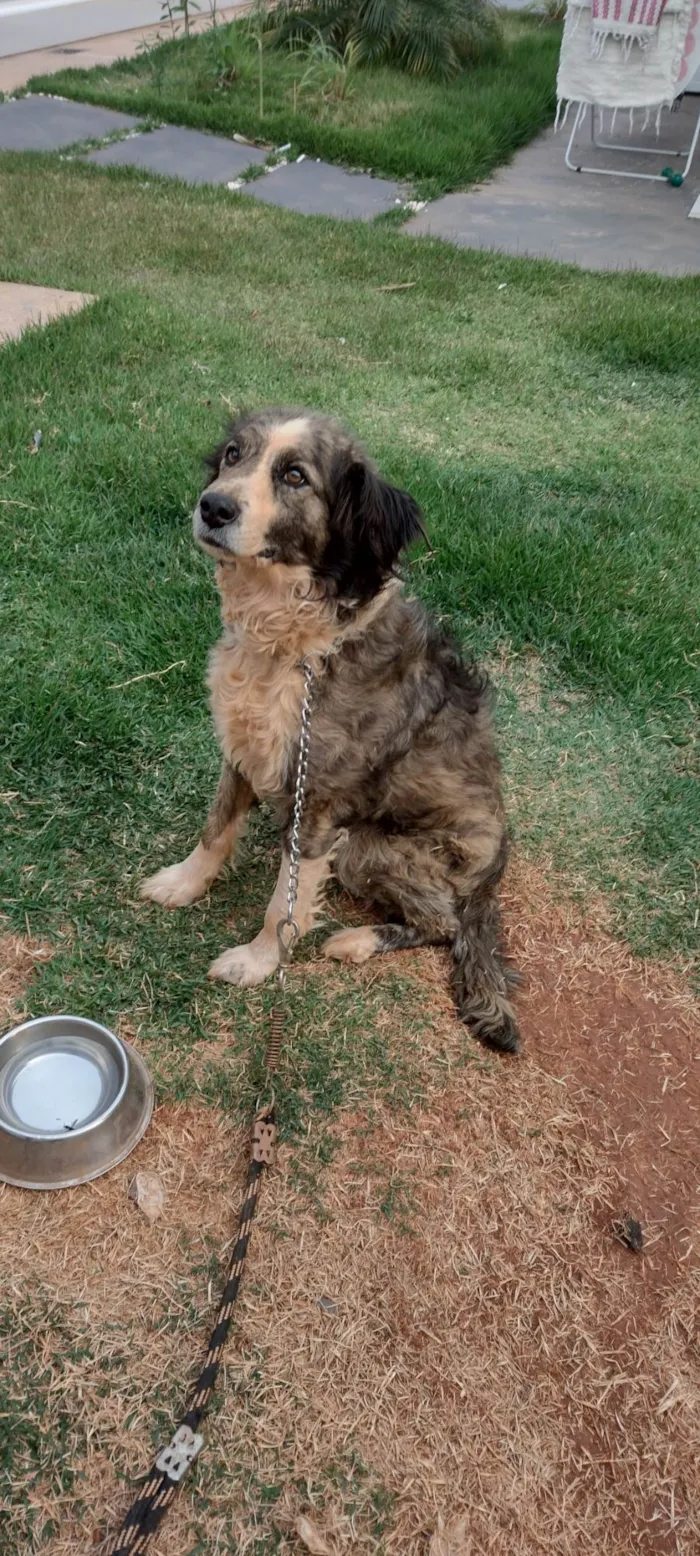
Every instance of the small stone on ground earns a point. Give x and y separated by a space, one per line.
21 306
318 189
187 154
48 123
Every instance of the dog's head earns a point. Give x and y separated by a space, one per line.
293 487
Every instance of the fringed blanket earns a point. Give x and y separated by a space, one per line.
619 76
627 21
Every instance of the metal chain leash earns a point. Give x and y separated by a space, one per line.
300 790
148 1509
288 929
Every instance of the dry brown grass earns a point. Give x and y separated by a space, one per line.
19 956
458 1333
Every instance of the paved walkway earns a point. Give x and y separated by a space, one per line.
17 69
536 206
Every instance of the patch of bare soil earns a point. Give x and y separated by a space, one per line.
459 1334
628 1033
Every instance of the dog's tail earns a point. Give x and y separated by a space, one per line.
479 982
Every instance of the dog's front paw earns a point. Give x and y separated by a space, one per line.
175 886
246 964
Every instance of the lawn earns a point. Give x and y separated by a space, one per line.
545 419
434 135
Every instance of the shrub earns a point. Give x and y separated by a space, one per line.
424 37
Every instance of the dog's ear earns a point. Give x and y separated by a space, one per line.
371 523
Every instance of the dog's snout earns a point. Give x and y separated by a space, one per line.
217 509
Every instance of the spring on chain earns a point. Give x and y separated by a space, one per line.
274 1042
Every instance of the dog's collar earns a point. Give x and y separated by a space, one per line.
356 626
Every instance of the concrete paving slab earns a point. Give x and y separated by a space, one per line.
22 305
538 207
318 189
48 123
187 154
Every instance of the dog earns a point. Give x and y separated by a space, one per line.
403 800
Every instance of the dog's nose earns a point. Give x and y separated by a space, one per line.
217 510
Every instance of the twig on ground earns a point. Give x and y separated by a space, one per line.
148 675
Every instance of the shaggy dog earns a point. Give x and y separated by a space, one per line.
403 799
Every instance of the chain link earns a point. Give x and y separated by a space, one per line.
300 790
287 929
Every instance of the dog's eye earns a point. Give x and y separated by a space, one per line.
232 454
294 476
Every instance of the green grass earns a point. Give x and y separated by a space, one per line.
434 135
553 461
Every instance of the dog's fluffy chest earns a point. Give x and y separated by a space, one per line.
272 621
256 705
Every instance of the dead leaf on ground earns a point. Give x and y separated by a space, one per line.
673 1396
147 1191
311 1537
451 1539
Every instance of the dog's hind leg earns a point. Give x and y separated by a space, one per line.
399 874
179 884
357 945
444 898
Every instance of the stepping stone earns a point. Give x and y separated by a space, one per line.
21 306
318 189
188 154
47 123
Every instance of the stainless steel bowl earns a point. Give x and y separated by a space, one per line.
74 1101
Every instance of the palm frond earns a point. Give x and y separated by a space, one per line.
426 44
425 37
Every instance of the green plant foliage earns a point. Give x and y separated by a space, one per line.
436 38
